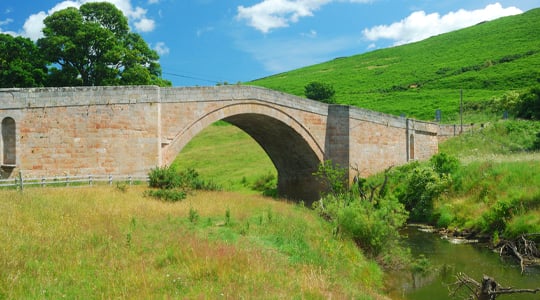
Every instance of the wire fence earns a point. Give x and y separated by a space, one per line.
20 182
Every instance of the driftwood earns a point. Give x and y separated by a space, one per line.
523 249
488 289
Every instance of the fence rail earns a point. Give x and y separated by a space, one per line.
66 181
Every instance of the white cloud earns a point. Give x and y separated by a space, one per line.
270 14
419 25
161 48
145 25
33 25
5 22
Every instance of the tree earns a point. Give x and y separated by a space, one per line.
93 46
21 64
529 105
320 91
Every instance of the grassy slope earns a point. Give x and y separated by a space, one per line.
100 242
485 61
228 156
500 179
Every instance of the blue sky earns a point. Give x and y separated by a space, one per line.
202 42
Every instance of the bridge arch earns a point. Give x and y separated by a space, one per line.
293 150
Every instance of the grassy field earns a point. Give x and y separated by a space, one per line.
486 61
102 242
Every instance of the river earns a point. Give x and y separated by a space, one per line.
447 259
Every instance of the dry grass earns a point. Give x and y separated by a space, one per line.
104 243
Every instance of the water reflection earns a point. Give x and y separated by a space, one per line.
447 260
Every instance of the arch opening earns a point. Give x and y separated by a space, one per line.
291 155
9 143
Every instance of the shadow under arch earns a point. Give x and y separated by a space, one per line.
294 152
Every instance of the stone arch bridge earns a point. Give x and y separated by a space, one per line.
131 129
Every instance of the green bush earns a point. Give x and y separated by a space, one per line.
164 178
373 225
320 91
529 105
172 195
170 185
190 180
267 184
422 186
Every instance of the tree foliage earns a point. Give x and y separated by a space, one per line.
93 46
21 64
529 104
320 91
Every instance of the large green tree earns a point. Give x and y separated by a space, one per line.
21 64
93 45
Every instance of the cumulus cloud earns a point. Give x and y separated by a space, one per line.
270 14
161 49
145 25
419 25
33 25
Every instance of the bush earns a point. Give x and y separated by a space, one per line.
164 178
373 228
373 225
172 195
529 105
320 91
267 184
190 180
444 163
173 186
422 186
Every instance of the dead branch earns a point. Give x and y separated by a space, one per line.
523 249
488 289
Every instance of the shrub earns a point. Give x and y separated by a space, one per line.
190 180
164 178
320 91
171 185
172 195
333 177
267 184
529 105
422 186
373 225
444 163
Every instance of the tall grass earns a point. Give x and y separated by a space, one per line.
104 243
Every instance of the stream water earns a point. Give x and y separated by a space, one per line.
447 259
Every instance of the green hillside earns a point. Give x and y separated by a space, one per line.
486 61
